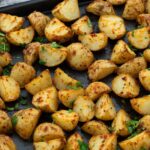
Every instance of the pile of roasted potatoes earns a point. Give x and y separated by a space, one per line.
91 107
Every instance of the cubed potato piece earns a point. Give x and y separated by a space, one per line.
95 89
94 41
144 122
66 119
122 53
2 104
117 2
62 81
133 66
119 124
24 122
39 83
133 9
9 89
68 97
47 131
22 73
82 26
104 108
84 106
5 59
5 123
46 100
141 105
67 10
9 23
100 69
6 143
146 54
95 128
100 7
139 38
144 19
138 142
113 26
105 142
56 144
52 56
56 30
79 57
31 53
39 21
148 6
125 86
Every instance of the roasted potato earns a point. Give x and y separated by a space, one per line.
133 66
139 38
84 106
133 9
146 55
67 10
24 122
2 104
47 131
21 37
66 119
148 6
39 83
5 59
79 57
104 108
52 56
9 23
95 128
82 26
100 69
9 89
100 7
95 89
144 122
113 26
94 41
117 2
125 86
122 53
46 100
144 19
56 30
141 105
39 21
105 142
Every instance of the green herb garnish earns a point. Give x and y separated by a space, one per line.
22 101
90 23
10 108
70 110
4 47
83 145
41 62
40 39
55 45
76 87
7 69
133 48
132 125
134 134
43 49
140 26
111 129
133 33
2 34
14 120
148 68
142 148
16 107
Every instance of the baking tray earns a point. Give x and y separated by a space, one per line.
45 6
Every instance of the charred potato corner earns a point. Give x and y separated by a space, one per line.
78 78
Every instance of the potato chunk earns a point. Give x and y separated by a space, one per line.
144 19
148 6
5 59
9 23
2 104
117 2
144 122
146 55
113 26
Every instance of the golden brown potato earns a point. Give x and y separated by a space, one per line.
122 53
9 89
56 30
148 6
144 122
2 104
146 55
39 21
25 121
117 2
139 38
46 100
9 23
21 37
105 142
100 69
133 66
52 56
141 105
39 83
79 57
94 41
95 89
100 7
144 19
133 9
113 26
47 131
125 86
104 108
84 106
95 128
5 59
82 26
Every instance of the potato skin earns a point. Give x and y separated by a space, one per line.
144 122
144 19
117 2
5 59
79 57
146 55
2 104
148 6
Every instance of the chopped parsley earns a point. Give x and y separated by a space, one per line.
133 33
55 45
40 39
133 48
75 87
7 69
4 47
23 101
134 134
43 49
89 23
10 108
70 110
41 62
111 129
14 120
82 145
132 125
2 34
